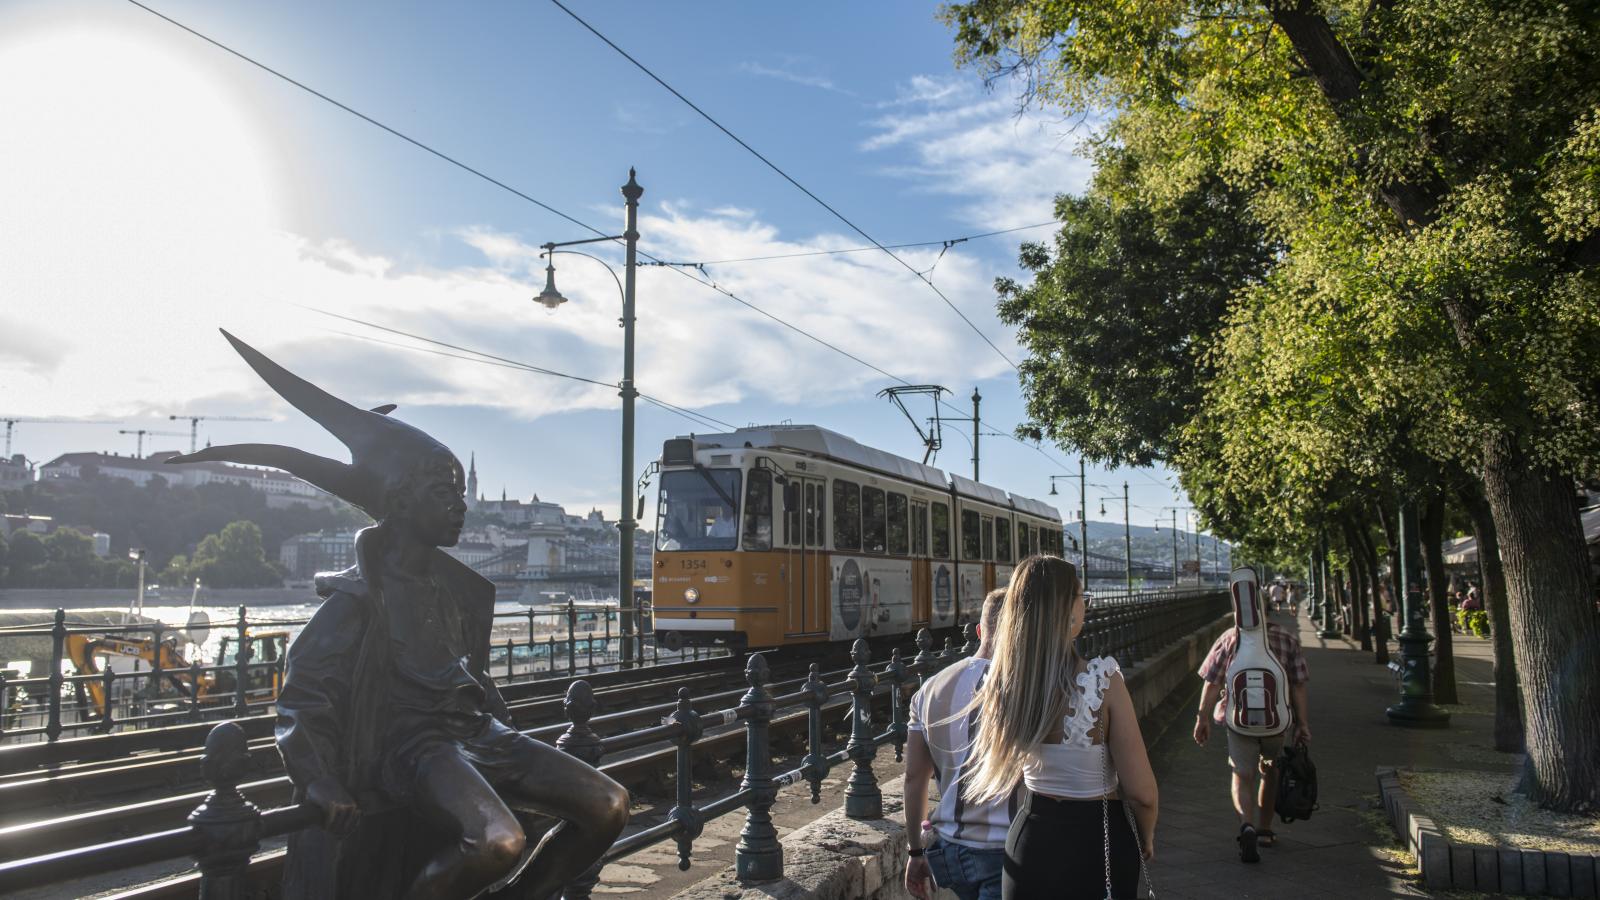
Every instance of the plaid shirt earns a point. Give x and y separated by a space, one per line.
1280 643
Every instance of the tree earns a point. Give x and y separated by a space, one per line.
27 553
1430 168
5 551
1120 316
234 558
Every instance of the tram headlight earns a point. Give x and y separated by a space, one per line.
691 595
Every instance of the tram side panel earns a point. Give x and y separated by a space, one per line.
870 596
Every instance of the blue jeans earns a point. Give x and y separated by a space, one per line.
968 872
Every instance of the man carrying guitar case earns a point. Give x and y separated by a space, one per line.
1255 679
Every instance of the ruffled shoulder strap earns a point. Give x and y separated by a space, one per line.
1091 684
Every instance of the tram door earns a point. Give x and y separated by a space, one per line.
808 588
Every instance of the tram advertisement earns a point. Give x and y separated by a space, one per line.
942 595
870 596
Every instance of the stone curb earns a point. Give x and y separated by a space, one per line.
1456 865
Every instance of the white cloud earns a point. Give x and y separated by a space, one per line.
790 72
965 142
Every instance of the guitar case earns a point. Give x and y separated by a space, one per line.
1256 685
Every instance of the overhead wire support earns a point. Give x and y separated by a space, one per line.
786 177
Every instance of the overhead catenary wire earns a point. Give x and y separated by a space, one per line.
947 243
787 177
478 173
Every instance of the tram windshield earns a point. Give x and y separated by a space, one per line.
699 510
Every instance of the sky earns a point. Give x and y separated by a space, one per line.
157 188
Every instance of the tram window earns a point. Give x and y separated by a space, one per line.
988 538
872 520
1024 541
941 531
919 529
758 510
1002 540
971 543
846 515
899 539
699 510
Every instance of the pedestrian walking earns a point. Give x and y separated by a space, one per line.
1260 666
964 848
1277 594
1064 726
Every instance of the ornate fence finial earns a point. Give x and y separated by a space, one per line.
579 739
970 631
816 760
229 826
926 661
862 799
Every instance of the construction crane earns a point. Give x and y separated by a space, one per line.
194 425
138 452
12 422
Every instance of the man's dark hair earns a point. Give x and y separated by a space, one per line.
989 619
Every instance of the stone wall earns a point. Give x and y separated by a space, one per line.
839 858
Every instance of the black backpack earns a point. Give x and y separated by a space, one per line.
1297 784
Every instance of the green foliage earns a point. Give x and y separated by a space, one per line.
1474 620
1120 314
5 554
63 558
232 558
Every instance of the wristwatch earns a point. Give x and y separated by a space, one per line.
915 851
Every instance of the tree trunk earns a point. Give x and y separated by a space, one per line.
1444 657
1555 632
1379 616
1358 588
1507 697
1389 520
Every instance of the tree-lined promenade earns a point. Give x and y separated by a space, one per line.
1338 265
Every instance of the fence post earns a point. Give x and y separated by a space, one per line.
511 646
194 692
970 630
580 741
862 799
572 640
816 761
758 856
58 641
925 662
5 703
683 811
155 664
897 674
228 825
241 667
107 679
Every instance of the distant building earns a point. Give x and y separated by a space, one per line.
15 473
280 488
304 555
11 523
472 553
102 544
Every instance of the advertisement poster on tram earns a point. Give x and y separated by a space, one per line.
870 597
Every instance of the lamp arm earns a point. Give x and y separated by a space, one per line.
620 292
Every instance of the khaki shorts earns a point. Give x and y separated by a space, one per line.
1247 754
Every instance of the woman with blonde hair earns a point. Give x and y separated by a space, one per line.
1065 726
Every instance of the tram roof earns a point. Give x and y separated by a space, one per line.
816 441
1035 507
977 490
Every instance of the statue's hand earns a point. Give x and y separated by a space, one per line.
338 808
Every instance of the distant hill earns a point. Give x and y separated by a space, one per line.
1149 545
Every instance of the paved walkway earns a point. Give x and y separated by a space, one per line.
1345 850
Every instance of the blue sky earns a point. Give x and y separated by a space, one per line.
162 189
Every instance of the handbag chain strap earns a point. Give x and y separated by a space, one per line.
1105 828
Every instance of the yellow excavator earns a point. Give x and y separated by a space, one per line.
220 684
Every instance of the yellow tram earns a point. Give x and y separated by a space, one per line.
794 534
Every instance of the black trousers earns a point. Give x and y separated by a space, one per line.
1056 849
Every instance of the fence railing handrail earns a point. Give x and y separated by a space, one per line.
226 829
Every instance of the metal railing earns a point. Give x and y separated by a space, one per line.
225 831
562 640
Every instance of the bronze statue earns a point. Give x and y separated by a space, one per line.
388 720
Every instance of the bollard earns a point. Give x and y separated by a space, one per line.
898 674
816 761
970 630
758 855
580 741
58 640
107 679
862 799
683 811
228 825
241 667
925 662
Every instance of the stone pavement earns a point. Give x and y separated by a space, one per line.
1345 850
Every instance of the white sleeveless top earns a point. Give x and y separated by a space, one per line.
1077 768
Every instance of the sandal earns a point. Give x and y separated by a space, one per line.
1265 838
1247 845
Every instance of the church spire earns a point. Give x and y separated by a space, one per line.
472 481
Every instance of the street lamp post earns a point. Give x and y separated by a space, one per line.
1127 535
551 299
1083 517
1416 707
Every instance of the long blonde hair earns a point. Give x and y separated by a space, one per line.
1025 692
